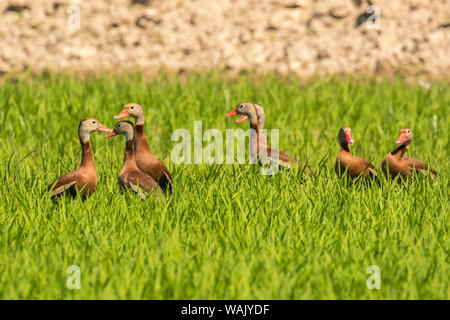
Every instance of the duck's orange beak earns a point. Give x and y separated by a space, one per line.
349 138
123 114
402 138
112 134
233 113
103 128
244 117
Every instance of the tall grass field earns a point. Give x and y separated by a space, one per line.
227 232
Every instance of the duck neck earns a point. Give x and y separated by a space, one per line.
254 125
139 129
345 147
87 159
129 157
140 141
139 120
258 139
401 149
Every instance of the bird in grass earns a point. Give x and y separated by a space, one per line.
349 165
82 180
395 164
258 140
145 159
131 177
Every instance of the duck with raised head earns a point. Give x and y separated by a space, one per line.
83 180
258 140
395 163
131 176
145 159
346 163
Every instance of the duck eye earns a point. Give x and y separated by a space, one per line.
93 122
132 107
241 106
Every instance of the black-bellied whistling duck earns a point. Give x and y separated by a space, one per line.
258 140
131 176
145 160
84 178
346 163
395 164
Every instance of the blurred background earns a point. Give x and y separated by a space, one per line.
305 37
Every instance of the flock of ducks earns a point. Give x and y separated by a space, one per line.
393 165
142 172
147 176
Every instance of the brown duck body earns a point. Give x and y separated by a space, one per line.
148 163
132 177
84 178
395 164
355 166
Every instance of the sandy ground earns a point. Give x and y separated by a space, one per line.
306 37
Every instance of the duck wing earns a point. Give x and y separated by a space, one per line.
165 181
285 160
369 167
372 172
63 183
143 184
420 166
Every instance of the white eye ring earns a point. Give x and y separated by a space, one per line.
132 107
241 106
93 122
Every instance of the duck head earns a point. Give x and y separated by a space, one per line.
124 128
134 110
345 135
89 125
406 135
252 111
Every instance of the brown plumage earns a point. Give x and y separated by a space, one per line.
84 178
258 140
131 176
145 159
395 164
346 163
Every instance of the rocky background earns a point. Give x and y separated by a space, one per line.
307 37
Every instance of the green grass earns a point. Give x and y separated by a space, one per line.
228 232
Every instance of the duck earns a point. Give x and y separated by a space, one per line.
395 164
258 140
350 165
82 180
145 159
131 177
